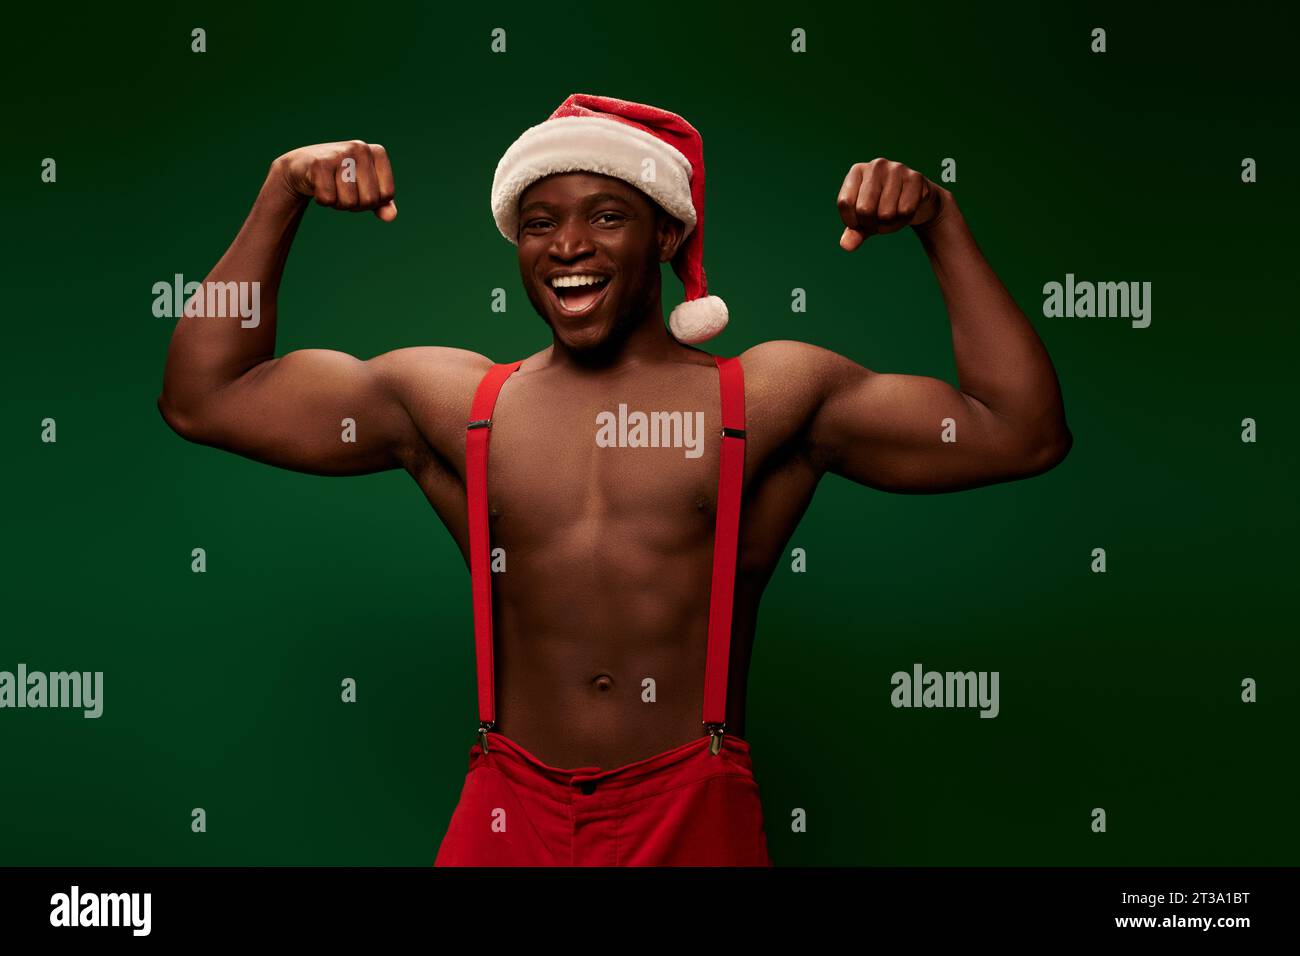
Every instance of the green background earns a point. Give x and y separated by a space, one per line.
222 689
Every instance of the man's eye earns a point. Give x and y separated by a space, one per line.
607 215
533 223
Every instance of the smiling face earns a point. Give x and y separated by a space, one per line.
589 254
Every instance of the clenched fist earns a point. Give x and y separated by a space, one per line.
883 196
351 175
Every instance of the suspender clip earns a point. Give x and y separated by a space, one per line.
715 731
483 728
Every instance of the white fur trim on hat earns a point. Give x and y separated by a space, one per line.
592 144
698 319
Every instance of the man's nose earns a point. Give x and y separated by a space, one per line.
570 239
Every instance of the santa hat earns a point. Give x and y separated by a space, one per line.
599 134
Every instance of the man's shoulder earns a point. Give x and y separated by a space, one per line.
784 366
436 386
431 368
785 352
432 358
786 382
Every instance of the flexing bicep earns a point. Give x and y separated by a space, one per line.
912 433
314 411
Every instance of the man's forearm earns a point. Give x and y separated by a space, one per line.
1000 359
208 351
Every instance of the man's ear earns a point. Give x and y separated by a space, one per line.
669 233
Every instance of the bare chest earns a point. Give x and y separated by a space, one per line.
640 458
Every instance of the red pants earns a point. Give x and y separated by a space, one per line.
682 807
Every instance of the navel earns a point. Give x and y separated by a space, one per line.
603 682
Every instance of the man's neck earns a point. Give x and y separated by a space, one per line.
647 342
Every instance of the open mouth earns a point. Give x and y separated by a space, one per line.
579 295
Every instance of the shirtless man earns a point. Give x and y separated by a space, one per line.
610 550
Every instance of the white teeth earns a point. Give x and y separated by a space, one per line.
564 282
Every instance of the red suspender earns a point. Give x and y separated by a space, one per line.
480 576
731 471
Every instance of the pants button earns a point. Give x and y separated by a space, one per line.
588 787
